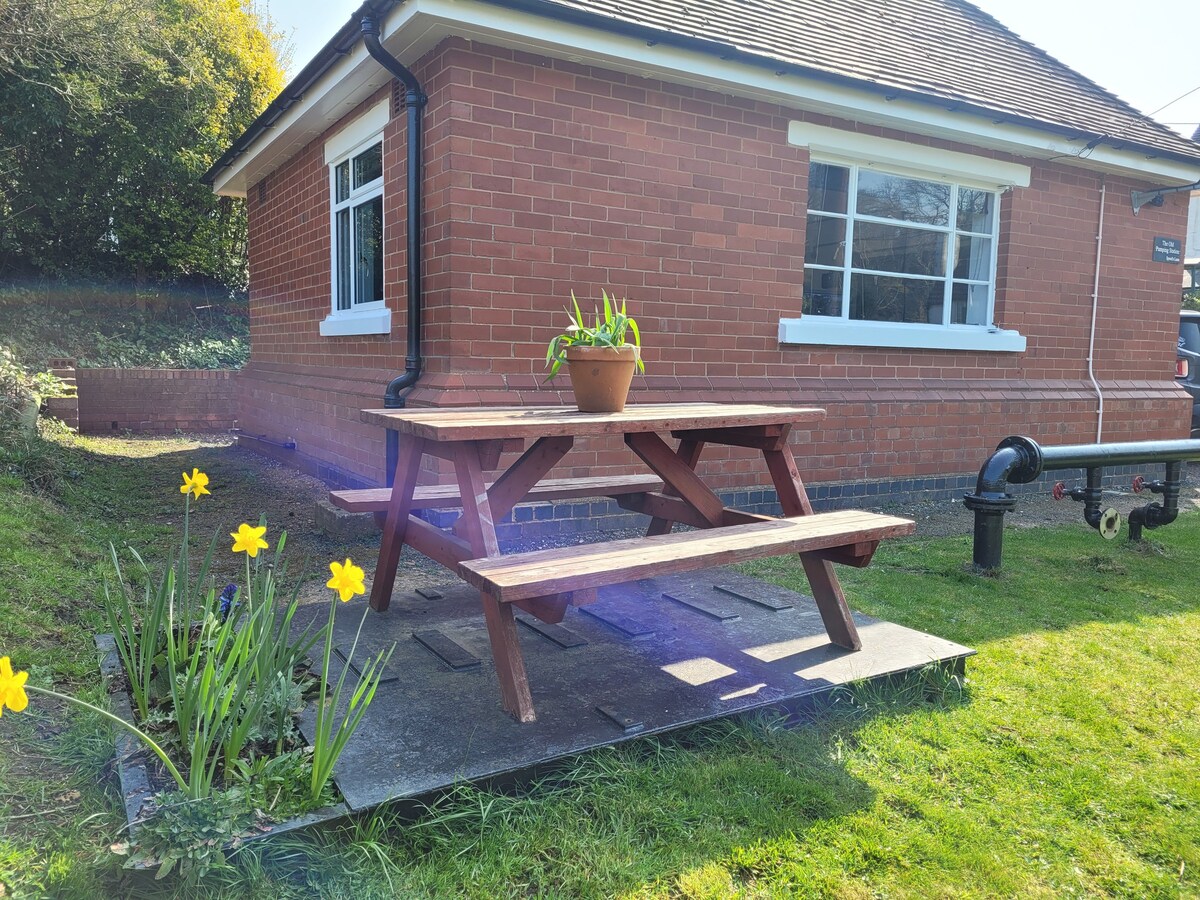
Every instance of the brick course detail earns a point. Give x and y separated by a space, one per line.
544 176
156 401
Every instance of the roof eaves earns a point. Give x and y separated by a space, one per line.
349 35
654 35
338 46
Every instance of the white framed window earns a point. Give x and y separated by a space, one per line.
355 161
896 256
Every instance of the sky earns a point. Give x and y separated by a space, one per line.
1146 54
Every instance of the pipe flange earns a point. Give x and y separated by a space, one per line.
1031 458
985 504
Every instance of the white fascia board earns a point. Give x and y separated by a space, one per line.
418 25
825 331
839 145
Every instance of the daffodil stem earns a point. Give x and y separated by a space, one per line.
137 732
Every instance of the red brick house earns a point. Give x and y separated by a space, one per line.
896 209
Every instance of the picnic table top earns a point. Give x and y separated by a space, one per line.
493 422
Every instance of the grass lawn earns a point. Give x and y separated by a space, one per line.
1068 765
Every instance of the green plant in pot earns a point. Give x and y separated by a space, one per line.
600 358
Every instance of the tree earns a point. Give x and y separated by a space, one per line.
105 134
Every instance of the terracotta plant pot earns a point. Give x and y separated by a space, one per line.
600 376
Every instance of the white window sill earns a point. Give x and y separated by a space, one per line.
840 333
374 321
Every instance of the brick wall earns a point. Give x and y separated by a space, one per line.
155 401
545 177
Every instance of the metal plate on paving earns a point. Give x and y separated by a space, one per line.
363 654
627 724
760 598
704 606
564 637
631 628
449 651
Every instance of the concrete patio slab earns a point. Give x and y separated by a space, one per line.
647 657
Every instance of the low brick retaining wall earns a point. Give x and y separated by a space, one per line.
148 401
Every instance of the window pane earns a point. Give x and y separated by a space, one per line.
368 251
342 243
907 199
968 304
822 293
973 258
882 298
825 241
975 210
894 248
341 179
828 187
368 166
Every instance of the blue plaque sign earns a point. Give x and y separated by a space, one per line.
1168 250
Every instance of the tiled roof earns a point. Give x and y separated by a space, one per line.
942 48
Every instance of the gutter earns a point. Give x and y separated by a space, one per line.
414 104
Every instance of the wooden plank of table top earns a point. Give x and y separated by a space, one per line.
490 422
522 575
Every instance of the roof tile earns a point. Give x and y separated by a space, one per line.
948 49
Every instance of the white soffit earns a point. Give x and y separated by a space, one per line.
417 26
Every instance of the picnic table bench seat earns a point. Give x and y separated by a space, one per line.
845 536
439 496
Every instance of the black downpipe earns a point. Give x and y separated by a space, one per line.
414 104
1020 460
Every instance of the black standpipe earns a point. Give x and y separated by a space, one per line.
1020 460
414 104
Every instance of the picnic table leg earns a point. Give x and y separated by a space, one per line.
827 590
479 531
686 454
408 464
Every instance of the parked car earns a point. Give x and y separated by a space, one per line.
1187 365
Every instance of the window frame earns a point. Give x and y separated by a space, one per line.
374 316
948 232
860 152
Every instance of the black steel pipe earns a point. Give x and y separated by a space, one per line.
414 104
1081 456
1154 515
1020 460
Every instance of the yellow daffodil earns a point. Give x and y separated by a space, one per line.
249 540
347 579
12 686
195 484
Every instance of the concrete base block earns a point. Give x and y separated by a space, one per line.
339 525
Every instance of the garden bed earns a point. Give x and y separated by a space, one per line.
139 784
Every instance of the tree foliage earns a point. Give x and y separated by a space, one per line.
110 111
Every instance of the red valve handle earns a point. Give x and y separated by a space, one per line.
1139 484
1059 491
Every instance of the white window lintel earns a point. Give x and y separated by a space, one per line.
870 152
361 130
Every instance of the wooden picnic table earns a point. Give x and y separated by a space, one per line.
545 582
